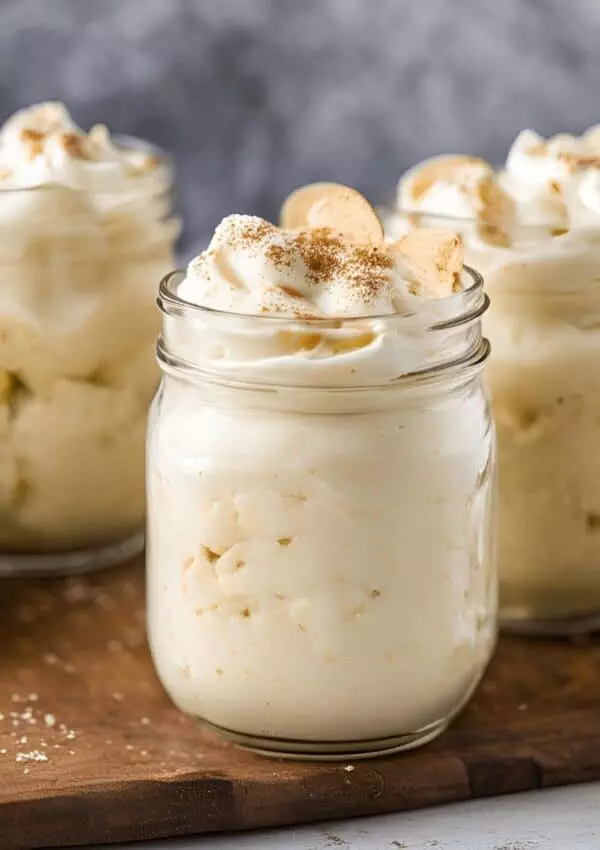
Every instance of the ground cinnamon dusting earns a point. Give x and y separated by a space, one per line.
369 268
538 149
256 232
588 162
73 145
574 161
253 231
28 135
328 256
34 141
278 255
320 249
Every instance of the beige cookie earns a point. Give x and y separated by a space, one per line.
6 385
448 169
332 205
434 259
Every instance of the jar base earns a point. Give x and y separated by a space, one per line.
75 562
330 750
525 624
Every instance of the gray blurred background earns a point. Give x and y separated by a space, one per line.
257 96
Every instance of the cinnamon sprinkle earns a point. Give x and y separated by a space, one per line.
537 149
28 135
588 162
327 256
256 231
574 161
34 140
278 255
320 249
73 145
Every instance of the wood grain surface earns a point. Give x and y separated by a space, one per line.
92 751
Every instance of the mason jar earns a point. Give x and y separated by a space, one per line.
544 328
320 532
77 366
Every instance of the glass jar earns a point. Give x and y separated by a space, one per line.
320 546
77 367
544 327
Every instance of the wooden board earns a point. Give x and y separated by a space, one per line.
118 762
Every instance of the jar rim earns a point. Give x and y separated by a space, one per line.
172 304
465 368
456 221
165 163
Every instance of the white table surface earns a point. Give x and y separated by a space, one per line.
556 819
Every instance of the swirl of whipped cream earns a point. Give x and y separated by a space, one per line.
390 295
87 196
84 221
539 176
254 267
461 187
444 185
550 183
42 145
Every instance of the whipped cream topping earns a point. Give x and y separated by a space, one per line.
87 231
254 267
462 187
555 181
42 145
543 328
445 183
382 299
551 183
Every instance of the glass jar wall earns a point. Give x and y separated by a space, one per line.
77 366
543 326
321 576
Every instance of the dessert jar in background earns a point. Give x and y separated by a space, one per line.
533 229
544 377
86 229
320 546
